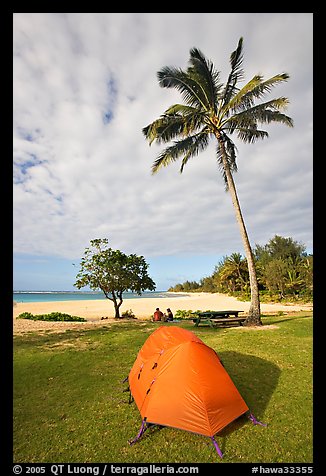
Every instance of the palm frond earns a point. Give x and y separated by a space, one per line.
275 116
191 91
257 91
268 84
199 144
242 99
182 109
277 104
264 113
188 147
164 129
249 136
193 119
177 121
236 73
203 69
242 123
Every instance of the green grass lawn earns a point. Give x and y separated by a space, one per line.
69 404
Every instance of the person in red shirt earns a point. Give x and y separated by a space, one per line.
158 315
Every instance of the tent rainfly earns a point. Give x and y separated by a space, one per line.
180 382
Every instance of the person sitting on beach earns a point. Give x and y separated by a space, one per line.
169 315
158 315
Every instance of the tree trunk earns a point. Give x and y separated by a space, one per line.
253 318
116 305
116 308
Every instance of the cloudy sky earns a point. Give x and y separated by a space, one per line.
84 87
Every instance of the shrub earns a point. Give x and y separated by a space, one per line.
129 314
53 316
188 313
185 314
25 315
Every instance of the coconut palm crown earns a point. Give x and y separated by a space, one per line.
212 110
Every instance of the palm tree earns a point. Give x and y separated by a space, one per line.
214 110
235 272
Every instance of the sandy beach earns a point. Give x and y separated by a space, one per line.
143 308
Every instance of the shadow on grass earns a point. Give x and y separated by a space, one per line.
280 319
256 379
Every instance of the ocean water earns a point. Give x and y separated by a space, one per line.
48 296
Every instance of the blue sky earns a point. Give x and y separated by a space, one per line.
84 87
53 273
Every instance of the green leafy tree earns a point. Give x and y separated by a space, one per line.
280 247
207 285
178 288
275 276
190 286
212 110
286 268
306 271
113 272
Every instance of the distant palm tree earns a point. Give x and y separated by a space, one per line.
212 109
235 271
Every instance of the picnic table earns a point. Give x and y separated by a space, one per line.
214 318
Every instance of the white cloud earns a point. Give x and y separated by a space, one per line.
84 87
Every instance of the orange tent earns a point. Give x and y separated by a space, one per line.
179 381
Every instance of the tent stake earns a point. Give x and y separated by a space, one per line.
142 430
255 421
217 447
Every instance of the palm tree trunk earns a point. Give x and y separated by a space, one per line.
253 318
